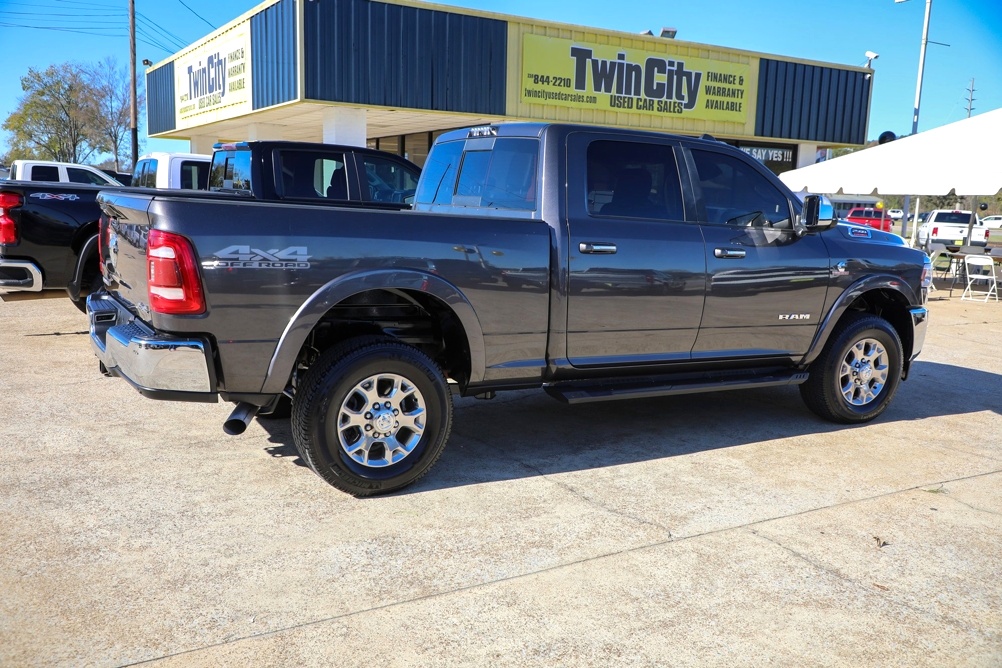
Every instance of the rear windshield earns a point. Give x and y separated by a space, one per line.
502 177
231 171
951 217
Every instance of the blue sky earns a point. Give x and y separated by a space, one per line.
833 31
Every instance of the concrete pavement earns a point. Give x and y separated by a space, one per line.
734 528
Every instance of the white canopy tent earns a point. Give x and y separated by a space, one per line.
964 157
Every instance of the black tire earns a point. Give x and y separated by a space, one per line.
845 380
332 390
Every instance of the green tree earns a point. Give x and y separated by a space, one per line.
54 119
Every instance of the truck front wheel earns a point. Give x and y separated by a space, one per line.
372 415
857 373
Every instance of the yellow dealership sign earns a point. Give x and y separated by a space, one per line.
584 75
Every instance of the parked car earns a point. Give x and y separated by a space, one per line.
172 170
59 172
870 217
992 222
701 272
895 214
949 227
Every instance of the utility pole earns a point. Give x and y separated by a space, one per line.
132 74
970 98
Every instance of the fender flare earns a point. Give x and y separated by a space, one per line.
851 294
320 302
88 249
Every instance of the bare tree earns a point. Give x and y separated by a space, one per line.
109 109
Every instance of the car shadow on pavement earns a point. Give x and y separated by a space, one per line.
526 433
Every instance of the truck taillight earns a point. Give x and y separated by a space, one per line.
935 232
8 229
173 283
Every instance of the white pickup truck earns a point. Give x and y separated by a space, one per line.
59 172
949 227
159 169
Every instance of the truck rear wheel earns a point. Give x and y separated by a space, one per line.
372 415
857 373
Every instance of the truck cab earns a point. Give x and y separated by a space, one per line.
189 171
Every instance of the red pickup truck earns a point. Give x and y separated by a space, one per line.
874 218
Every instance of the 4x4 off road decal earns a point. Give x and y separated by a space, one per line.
65 197
245 257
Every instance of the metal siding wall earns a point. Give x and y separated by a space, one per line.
811 103
160 116
365 52
273 55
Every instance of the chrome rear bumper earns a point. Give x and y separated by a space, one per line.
20 275
161 366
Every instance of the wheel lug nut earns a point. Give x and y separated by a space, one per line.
396 412
375 406
368 427
396 425
368 416
387 404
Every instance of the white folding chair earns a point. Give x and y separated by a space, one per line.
980 270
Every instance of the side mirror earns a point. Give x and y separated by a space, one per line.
818 213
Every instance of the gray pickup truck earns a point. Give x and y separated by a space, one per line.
594 263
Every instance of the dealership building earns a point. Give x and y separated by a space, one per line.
394 74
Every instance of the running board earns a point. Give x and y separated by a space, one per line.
575 393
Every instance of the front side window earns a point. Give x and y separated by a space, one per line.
734 193
77 175
633 180
388 180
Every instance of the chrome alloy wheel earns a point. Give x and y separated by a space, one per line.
381 420
863 372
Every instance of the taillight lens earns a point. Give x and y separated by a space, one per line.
172 281
8 229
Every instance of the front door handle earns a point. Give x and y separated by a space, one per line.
728 253
597 247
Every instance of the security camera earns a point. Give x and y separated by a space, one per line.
870 55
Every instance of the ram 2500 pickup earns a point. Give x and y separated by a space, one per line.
48 231
594 263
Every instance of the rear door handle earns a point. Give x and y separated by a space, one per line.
597 247
728 253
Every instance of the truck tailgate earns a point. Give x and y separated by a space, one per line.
125 226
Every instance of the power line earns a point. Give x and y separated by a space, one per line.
196 13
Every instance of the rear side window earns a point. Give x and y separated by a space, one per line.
231 171
734 193
633 180
194 174
44 173
312 174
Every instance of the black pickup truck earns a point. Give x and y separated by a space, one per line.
49 231
594 263
48 239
